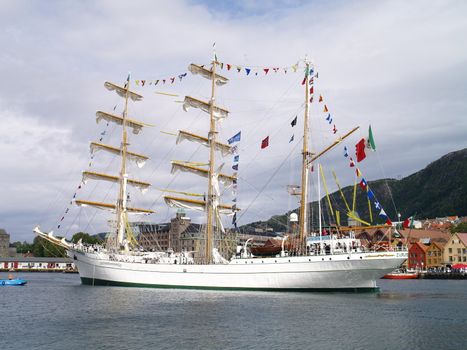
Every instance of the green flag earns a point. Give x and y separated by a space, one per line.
370 141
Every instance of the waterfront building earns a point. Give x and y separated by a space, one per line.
40 264
455 250
4 243
434 255
417 256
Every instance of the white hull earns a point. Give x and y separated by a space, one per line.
323 272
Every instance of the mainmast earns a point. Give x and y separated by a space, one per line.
211 203
212 195
305 157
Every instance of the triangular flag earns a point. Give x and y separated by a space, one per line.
346 153
247 70
294 121
266 70
326 108
352 163
320 98
265 143
239 69
291 139
370 141
311 90
334 129
235 138
357 171
304 81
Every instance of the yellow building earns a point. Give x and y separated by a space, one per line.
434 255
455 250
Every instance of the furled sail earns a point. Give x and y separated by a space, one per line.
138 158
142 186
110 206
206 73
219 113
137 126
185 135
198 205
226 180
122 91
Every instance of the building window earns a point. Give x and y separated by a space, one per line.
458 250
450 249
450 258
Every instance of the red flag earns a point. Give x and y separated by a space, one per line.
407 223
334 129
304 81
265 143
360 150
352 163
311 90
326 108
229 66
266 70
320 98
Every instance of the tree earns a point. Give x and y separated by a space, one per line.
85 238
462 227
43 248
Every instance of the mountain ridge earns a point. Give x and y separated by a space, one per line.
439 189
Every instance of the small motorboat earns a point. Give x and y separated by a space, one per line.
12 281
15 282
401 275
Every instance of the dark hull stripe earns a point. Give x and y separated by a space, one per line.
100 282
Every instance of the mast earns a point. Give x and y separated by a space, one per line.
305 154
212 196
121 201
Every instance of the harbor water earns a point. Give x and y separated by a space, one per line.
54 311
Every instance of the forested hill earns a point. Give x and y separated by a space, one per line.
438 190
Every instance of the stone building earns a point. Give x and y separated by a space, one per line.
4 243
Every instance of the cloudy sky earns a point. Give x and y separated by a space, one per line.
400 66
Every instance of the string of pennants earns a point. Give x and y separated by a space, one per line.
169 80
256 70
360 155
249 71
311 75
81 184
235 163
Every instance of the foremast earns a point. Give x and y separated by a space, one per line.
211 203
306 154
120 207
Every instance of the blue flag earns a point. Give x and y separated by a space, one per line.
236 158
235 138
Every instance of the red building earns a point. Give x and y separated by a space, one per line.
417 256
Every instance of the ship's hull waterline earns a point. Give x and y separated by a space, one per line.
355 272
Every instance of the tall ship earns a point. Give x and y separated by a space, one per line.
304 260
